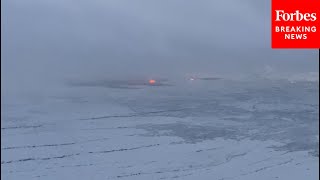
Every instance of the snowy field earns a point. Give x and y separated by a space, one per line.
208 130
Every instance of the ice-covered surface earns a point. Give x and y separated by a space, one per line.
215 130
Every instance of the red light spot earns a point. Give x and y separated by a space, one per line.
152 81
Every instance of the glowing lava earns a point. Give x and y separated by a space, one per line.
152 81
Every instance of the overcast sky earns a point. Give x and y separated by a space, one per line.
59 39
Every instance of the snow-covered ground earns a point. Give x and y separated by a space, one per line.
210 130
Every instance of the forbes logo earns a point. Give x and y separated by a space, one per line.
281 15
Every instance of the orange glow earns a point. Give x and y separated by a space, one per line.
152 81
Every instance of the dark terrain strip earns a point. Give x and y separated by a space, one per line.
20 127
76 154
124 149
133 115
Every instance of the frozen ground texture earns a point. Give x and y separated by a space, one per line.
210 130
